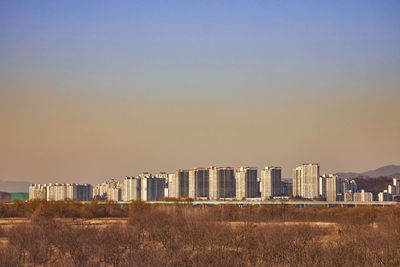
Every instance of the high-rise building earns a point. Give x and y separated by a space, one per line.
392 189
384 196
333 184
84 192
79 192
226 187
37 191
199 183
164 175
247 185
114 194
56 192
348 185
211 183
396 184
108 190
322 186
287 187
178 184
306 181
152 188
270 184
172 186
131 189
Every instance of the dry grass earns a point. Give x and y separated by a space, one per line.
211 236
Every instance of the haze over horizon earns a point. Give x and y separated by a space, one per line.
96 89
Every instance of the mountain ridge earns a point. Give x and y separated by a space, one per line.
384 171
14 186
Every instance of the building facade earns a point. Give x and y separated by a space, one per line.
199 183
61 192
37 191
362 196
306 181
178 184
152 188
131 189
247 185
226 184
270 183
333 187
108 190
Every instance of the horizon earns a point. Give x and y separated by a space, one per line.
100 90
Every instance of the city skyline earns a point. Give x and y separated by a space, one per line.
98 90
221 184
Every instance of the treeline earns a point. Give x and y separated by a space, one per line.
251 213
62 209
182 235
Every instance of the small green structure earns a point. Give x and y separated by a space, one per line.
23 196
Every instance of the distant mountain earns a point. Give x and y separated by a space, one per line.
11 186
373 185
386 171
348 174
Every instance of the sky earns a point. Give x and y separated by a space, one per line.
94 90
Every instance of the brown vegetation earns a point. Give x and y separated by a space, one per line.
62 209
182 235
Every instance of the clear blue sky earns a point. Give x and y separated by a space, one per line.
197 47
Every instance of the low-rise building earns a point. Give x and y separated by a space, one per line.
363 196
384 196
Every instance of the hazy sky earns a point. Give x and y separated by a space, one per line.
92 90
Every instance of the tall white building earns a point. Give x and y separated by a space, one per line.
333 187
247 185
114 194
37 191
131 189
384 196
392 189
56 192
270 183
178 184
396 184
212 183
172 186
306 181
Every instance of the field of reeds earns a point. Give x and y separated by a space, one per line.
41 233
